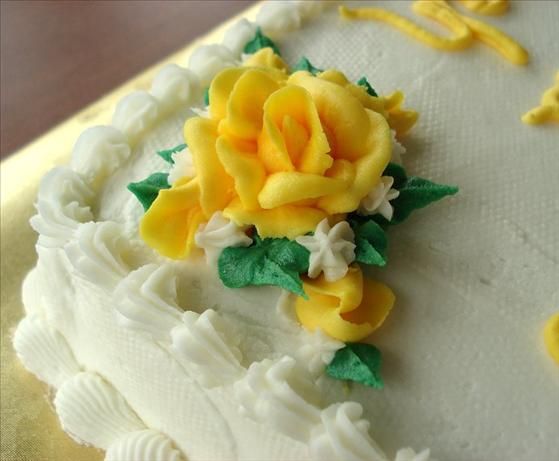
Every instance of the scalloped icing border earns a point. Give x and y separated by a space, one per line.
62 222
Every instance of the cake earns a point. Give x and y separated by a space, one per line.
211 304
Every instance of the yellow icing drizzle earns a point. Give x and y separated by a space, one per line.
465 30
551 336
548 110
487 7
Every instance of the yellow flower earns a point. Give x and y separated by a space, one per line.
280 152
349 309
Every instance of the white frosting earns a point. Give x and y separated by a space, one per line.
146 300
174 86
332 250
208 60
99 151
62 204
278 394
318 351
145 445
408 454
206 341
278 17
344 436
311 8
92 411
397 149
183 166
238 35
44 352
378 199
219 233
135 113
469 264
97 253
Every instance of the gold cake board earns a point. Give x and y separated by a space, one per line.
30 429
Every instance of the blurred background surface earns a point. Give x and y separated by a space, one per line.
59 56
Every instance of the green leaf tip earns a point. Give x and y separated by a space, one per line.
167 154
370 241
305 64
207 97
365 84
146 191
266 262
260 41
357 362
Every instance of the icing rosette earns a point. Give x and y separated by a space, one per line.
279 152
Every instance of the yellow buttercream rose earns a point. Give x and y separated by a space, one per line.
280 152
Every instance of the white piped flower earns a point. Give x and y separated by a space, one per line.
183 166
378 199
332 250
408 454
318 351
220 233
397 149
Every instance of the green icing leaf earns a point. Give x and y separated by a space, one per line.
146 191
397 172
305 64
358 362
365 84
266 262
167 154
207 96
370 241
260 41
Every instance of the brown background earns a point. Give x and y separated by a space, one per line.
59 56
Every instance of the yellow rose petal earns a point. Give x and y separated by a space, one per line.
172 220
342 115
220 90
349 309
246 170
368 168
266 58
296 103
246 103
289 187
215 184
285 221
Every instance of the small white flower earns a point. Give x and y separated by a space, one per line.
332 250
408 454
183 166
203 112
219 233
378 199
397 149
318 351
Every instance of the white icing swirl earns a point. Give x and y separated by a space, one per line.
378 199
219 233
408 454
332 250
97 253
31 298
92 411
98 152
344 436
183 166
62 204
146 445
238 35
206 341
44 351
278 16
279 394
174 86
397 149
318 351
146 300
310 8
135 113
208 60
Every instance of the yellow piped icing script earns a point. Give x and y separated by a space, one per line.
464 30
551 337
548 110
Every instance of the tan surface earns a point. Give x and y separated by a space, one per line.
29 427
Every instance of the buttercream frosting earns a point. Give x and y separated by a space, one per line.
378 199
